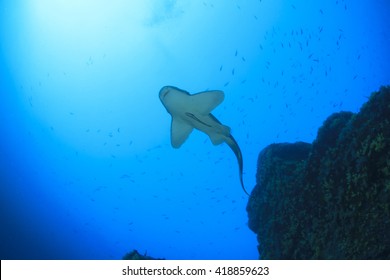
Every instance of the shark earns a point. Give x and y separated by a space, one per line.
193 111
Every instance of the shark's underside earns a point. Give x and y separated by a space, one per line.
191 111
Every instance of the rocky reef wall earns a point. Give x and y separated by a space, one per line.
329 199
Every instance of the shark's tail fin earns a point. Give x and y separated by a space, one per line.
236 149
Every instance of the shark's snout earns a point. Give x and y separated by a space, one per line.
163 92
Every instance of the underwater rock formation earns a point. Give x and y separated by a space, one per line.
134 255
329 199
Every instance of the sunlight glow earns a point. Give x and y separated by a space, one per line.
72 16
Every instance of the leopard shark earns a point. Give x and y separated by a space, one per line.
189 111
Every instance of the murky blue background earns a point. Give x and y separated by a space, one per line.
86 166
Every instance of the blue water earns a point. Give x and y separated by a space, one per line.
87 170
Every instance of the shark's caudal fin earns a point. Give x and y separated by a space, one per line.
236 149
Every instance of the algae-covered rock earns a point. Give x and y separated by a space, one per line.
272 207
331 200
134 255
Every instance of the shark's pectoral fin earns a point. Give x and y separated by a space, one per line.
206 101
180 131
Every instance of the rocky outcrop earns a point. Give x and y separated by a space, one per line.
134 255
329 199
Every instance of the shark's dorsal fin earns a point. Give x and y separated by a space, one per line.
206 101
